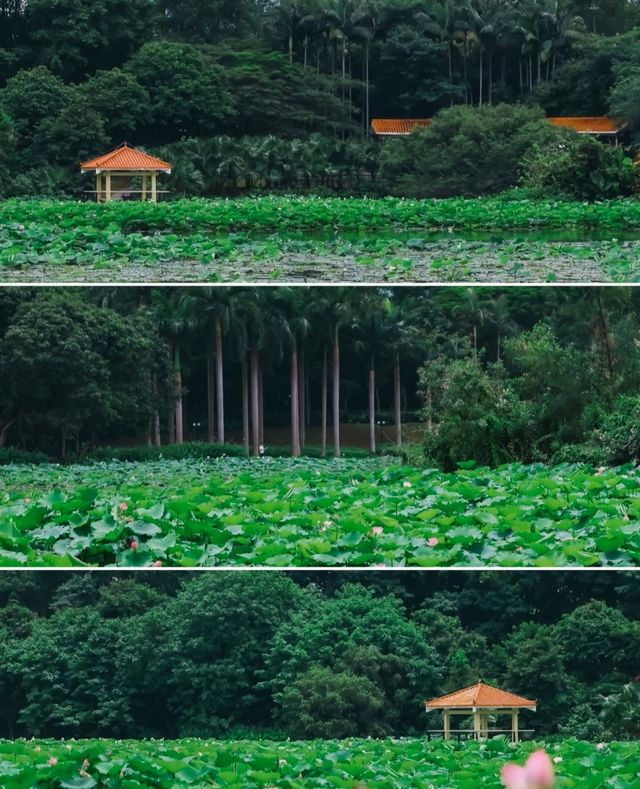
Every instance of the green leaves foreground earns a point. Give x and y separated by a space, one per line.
281 512
386 764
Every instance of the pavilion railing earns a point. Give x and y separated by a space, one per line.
471 734
124 194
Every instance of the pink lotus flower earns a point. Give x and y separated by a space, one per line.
432 542
53 761
124 506
377 530
134 545
537 773
158 563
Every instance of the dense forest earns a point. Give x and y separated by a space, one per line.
313 654
280 93
493 375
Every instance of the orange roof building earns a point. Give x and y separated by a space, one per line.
398 127
597 125
592 124
480 701
119 173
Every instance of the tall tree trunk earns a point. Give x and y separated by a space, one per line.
324 403
295 403
177 368
211 394
171 426
481 79
255 404
368 89
397 404
245 404
491 79
291 49
302 400
372 406
450 64
220 381
336 394
261 401
5 429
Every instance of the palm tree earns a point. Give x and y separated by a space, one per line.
333 309
370 327
214 308
175 322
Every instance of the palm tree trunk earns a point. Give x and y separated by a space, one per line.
245 404
295 404
157 439
255 404
368 89
177 367
302 400
336 395
261 401
397 400
491 79
219 381
211 394
324 403
372 406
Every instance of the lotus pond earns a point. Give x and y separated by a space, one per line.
272 512
315 240
347 764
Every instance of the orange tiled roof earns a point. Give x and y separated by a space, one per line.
480 695
125 158
591 124
398 126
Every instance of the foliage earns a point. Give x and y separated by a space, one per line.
397 762
73 38
187 94
577 167
465 152
312 513
217 654
473 415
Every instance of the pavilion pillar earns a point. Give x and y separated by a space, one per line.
98 188
154 187
515 726
447 725
108 188
144 187
477 724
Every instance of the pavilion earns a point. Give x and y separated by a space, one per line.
115 173
480 701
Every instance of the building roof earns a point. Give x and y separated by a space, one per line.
125 158
587 124
392 127
480 695
591 124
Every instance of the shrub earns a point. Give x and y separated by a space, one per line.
10 455
465 151
577 167
193 450
473 414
